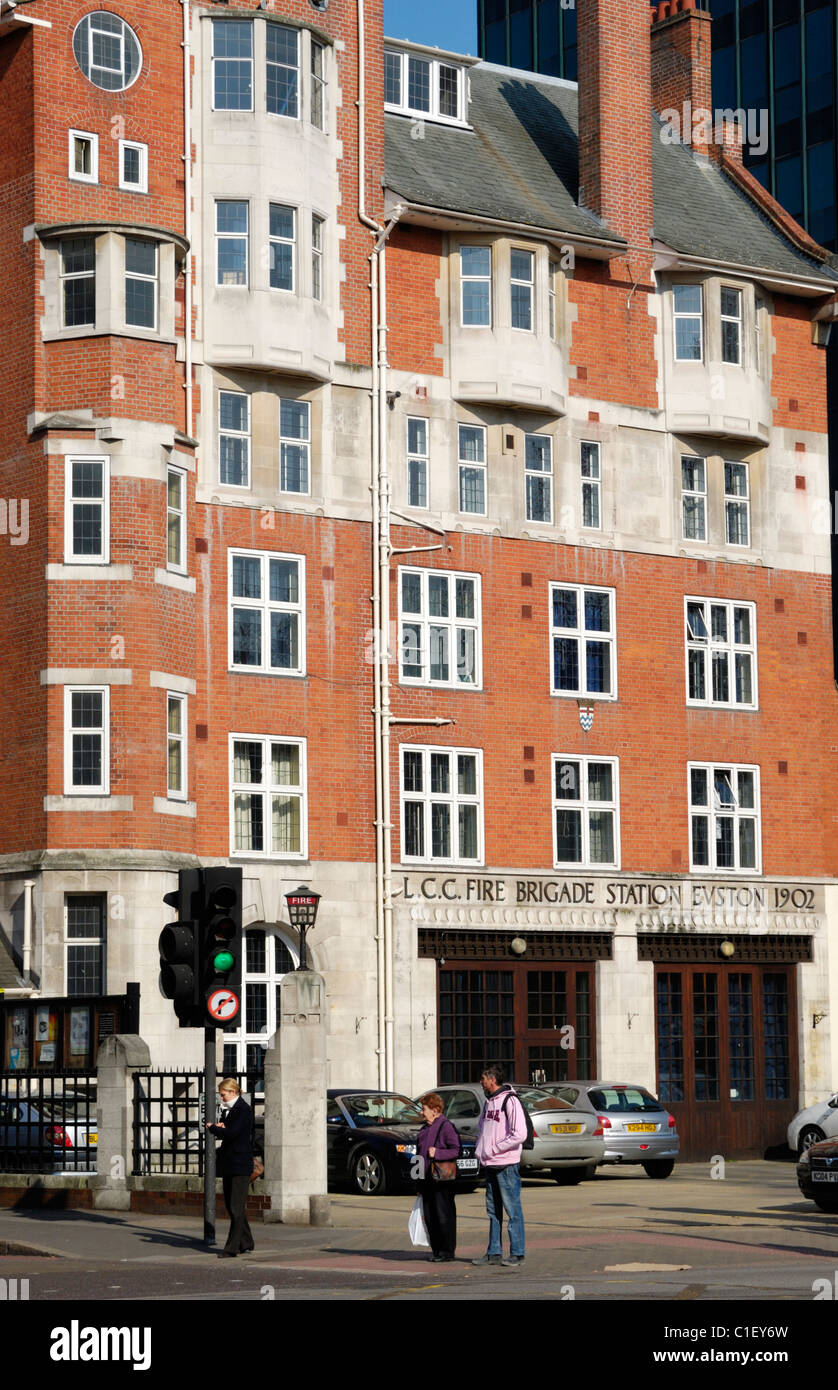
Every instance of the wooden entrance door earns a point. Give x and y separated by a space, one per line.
727 1055
536 1019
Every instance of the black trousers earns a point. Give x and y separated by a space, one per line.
440 1215
235 1200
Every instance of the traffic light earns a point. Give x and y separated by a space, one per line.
178 947
220 946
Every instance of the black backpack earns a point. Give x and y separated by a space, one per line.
529 1142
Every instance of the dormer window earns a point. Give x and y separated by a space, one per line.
415 84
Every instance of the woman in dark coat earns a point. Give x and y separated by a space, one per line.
438 1142
235 1165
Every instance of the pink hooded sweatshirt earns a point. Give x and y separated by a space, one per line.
501 1132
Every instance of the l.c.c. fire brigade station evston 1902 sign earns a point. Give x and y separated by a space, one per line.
674 895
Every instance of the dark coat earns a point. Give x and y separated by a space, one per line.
235 1157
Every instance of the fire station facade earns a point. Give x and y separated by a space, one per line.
425 482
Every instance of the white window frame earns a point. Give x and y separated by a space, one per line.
481 464
102 788
291 241
730 648
141 185
739 500
544 475
452 624
144 279
235 434
475 279
232 236
714 812
179 512
319 86
585 806
241 1037
433 113
70 556
701 494
591 482
453 799
528 285
318 237
302 442
288 67
582 636
93 140
552 300
731 318
265 606
66 275
683 314
175 699
216 23
98 941
419 458
88 54
266 789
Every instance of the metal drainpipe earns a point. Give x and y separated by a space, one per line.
375 228
187 217
28 890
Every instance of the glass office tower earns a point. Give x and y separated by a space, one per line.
771 56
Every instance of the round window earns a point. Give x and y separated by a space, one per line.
107 51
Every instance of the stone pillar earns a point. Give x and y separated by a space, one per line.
119 1057
295 1105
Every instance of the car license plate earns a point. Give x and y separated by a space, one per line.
642 1129
565 1129
825 1177
92 1137
467 1165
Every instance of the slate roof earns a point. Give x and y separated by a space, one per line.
519 163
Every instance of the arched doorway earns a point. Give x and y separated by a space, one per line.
269 955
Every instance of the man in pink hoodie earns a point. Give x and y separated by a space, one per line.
501 1133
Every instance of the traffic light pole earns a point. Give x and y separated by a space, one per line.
209 1139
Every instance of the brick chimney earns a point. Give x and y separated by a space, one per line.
615 124
680 42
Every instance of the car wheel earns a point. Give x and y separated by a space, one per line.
589 1173
826 1204
369 1176
807 1137
569 1177
659 1168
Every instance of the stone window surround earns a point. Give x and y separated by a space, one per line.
265 396
549 286
715 453
307 33
110 280
753 309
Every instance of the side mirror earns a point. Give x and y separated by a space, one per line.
833 1102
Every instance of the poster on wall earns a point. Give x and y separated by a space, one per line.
19 1048
46 1033
79 1032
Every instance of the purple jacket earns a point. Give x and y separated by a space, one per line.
440 1135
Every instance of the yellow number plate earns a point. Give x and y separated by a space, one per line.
642 1129
92 1138
565 1129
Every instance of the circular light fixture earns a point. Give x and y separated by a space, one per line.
727 949
518 945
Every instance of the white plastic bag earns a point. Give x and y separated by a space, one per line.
416 1225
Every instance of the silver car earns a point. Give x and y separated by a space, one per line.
636 1127
568 1140
55 1134
813 1124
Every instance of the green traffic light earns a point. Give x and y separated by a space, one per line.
223 961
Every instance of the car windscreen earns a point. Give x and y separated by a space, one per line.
626 1099
382 1110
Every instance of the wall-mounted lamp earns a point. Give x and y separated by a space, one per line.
392 397
727 949
518 946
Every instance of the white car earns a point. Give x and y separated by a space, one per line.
814 1123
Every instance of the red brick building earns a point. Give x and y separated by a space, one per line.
407 495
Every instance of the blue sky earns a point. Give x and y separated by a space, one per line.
446 23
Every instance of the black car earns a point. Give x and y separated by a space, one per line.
817 1174
371 1139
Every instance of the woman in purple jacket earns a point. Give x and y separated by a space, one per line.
438 1143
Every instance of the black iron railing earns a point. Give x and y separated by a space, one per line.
47 1122
168 1121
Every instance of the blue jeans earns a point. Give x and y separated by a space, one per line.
503 1193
